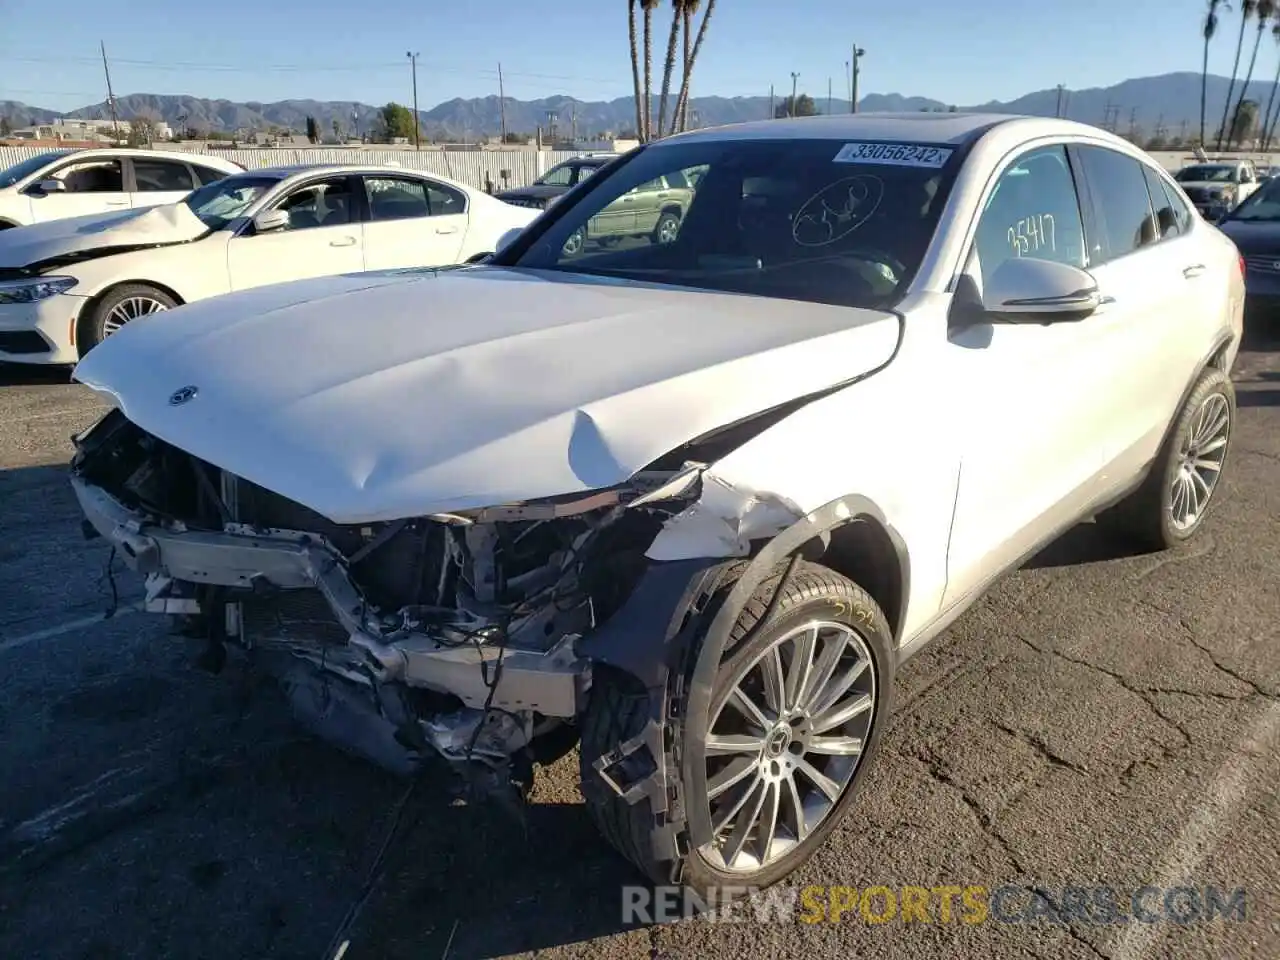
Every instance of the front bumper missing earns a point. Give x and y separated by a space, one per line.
551 682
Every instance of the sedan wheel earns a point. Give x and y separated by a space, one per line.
1203 452
785 741
573 246
130 309
115 308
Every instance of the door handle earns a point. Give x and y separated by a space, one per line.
446 229
1193 271
344 242
628 199
1106 301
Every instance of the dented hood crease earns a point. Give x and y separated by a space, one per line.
99 235
379 397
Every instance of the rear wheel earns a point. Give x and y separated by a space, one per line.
667 228
119 306
1170 506
573 246
796 713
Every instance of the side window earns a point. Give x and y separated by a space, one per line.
154 176
1032 212
208 174
92 176
1166 215
396 199
445 200
1121 203
558 176
652 186
323 204
1182 211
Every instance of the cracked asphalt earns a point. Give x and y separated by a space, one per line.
1097 720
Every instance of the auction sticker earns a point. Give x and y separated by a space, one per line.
894 154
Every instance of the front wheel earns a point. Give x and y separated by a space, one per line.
795 715
120 306
573 246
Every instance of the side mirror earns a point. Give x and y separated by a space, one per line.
507 237
270 221
1027 290
51 186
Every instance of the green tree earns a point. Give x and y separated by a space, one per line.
5 128
1208 27
648 6
1268 123
337 130
396 120
635 63
313 130
804 107
142 131
669 65
1244 123
691 55
516 138
1264 12
1246 14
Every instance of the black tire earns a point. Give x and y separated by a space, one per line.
668 225
1145 518
618 710
94 327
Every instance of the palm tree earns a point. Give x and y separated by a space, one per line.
1246 12
1265 10
669 66
1207 30
648 6
682 106
1268 122
687 9
635 66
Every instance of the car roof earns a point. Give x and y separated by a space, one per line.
953 128
185 156
288 171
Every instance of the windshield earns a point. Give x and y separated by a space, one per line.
24 168
1207 173
567 174
1262 204
218 203
815 220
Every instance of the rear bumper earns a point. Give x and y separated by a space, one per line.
551 682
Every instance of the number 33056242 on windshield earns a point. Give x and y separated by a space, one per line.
898 154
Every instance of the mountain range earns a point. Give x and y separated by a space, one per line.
1171 100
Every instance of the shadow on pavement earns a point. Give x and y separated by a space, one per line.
1083 543
1258 398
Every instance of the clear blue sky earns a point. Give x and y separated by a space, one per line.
333 49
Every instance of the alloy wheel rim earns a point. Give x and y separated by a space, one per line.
1200 460
573 244
131 308
784 743
667 230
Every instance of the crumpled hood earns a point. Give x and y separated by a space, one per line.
148 226
376 397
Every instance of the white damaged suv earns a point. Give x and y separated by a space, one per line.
690 502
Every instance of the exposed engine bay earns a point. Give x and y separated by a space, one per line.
446 634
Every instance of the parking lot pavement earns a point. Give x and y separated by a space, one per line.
1098 720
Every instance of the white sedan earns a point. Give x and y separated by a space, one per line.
65 286
73 183
694 496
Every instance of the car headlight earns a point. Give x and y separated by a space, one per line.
37 288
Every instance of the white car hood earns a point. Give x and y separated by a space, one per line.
381 396
149 226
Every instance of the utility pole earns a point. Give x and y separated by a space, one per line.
413 64
848 79
771 110
502 104
1057 111
573 125
551 128
853 79
795 77
828 96
1133 121
111 97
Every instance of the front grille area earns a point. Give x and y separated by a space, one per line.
1197 194
22 342
1263 264
302 615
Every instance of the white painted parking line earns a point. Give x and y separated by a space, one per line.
13 643
1202 831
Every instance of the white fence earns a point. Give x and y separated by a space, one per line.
466 166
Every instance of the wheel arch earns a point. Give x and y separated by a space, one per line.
91 304
6 224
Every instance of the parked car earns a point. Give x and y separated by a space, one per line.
690 502
1254 227
651 210
73 183
1216 187
556 182
66 286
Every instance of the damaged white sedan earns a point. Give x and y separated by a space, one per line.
690 499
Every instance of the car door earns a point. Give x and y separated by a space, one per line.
412 222
157 181
1154 284
94 185
1026 400
323 237
647 204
